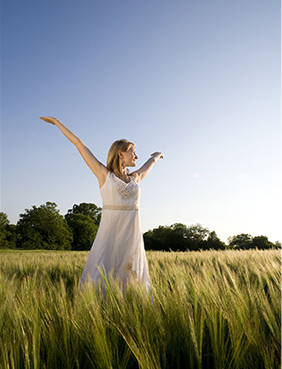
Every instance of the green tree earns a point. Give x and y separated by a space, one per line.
262 243
157 239
212 242
4 223
87 209
242 241
277 244
179 237
12 235
196 235
43 228
83 229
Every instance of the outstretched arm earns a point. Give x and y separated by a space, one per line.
97 168
142 172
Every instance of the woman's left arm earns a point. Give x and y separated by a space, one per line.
142 172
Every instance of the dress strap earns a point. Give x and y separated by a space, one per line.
120 207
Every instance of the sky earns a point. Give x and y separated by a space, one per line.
197 80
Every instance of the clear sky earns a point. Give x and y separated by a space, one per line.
198 80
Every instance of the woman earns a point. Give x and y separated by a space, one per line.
118 247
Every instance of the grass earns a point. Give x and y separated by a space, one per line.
212 309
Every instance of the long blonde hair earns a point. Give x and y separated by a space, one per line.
113 157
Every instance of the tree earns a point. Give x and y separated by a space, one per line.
43 228
212 242
262 243
87 209
196 235
4 223
156 239
242 241
83 230
148 240
179 237
12 235
277 244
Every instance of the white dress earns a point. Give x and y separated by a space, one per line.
119 246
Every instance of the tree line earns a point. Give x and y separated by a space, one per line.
44 227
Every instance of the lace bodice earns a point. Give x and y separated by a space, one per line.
116 192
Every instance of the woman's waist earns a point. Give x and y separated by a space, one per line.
128 207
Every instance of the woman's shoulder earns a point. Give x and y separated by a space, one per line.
135 176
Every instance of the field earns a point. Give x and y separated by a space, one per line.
212 309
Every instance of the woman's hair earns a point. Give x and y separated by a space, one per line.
113 157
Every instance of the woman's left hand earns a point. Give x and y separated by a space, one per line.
157 155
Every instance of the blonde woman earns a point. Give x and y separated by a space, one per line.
118 246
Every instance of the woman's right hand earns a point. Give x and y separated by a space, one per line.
50 120
97 168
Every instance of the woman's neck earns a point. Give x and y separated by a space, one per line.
123 171
123 174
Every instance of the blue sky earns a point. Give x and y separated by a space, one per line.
197 80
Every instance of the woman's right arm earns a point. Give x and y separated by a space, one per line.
97 168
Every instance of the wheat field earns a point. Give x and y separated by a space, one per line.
211 309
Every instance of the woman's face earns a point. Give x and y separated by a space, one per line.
129 157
